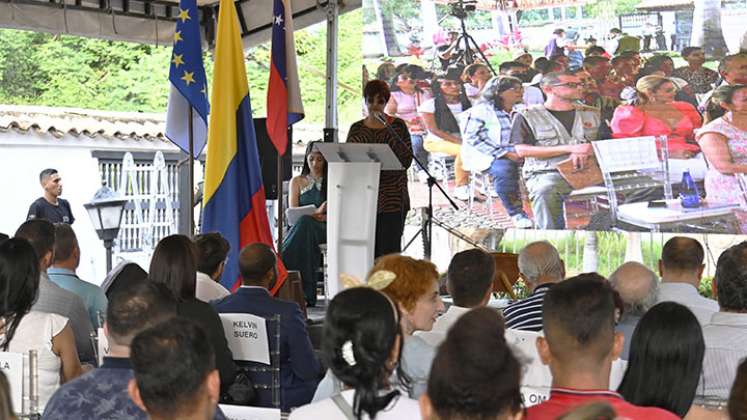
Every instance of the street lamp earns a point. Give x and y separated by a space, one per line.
106 210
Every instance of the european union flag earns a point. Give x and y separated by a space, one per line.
188 82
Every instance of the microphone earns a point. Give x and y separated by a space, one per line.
379 116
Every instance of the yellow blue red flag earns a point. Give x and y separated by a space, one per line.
234 194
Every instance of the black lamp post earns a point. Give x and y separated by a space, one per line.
106 210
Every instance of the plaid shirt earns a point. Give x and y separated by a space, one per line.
487 129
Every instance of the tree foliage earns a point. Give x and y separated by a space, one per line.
69 71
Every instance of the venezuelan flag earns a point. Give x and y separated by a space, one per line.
234 194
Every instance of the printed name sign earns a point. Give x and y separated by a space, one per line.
12 366
238 412
247 337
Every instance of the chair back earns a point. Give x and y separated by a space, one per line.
242 412
100 345
249 338
631 164
24 388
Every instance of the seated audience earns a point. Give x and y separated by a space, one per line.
666 358
413 285
123 275
175 376
726 335
212 251
53 298
441 116
301 250
475 374
733 71
407 95
700 78
737 405
27 329
475 76
681 268
102 393
361 345
593 97
579 346
173 265
532 94
637 287
62 273
540 266
299 368
652 111
487 143
724 144
470 284
566 130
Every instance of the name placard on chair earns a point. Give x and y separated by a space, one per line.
11 364
240 412
247 337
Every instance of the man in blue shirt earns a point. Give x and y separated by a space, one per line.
62 273
102 393
299 368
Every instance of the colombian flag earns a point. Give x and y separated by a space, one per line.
234 195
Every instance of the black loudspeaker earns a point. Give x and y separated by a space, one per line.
268 158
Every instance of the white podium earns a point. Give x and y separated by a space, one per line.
352 196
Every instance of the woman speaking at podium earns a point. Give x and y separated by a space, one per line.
394 199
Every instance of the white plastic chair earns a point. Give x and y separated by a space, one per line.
241 412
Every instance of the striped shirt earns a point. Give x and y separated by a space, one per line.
725 348
526 314
393 194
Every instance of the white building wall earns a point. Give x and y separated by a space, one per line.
24 155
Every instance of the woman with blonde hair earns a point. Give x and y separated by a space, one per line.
651 110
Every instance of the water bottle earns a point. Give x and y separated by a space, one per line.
689 197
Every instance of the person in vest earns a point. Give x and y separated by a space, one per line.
545 135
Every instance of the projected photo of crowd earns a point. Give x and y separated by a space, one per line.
585 127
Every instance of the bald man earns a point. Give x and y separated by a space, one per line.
540 266
637 286
681 268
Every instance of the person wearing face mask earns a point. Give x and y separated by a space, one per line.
301 245
653 111
394 198
299 367
724 144
441 115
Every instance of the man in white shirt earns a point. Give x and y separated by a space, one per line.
726 335
681 268
470 282
212 250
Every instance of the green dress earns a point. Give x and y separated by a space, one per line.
301 245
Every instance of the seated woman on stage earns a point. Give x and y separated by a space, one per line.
724 143
441 117
653 111
361 345
301 246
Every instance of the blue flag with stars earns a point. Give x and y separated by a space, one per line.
188 82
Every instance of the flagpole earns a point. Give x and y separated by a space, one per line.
281 210
191 211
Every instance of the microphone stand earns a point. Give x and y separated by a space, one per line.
427 224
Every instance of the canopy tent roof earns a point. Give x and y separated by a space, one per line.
150 21
661 5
